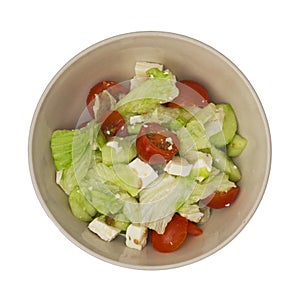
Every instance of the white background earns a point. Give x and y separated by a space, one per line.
38 38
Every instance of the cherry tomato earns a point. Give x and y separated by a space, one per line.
191 93
112 123
156 144
173 237
115 89
193 229
222 199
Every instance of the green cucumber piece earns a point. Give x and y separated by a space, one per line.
229 127
119 221
236 146
225 164
80 206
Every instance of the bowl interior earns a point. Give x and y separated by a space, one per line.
64 100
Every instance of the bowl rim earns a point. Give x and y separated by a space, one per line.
139 34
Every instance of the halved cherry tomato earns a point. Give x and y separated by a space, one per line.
112 124
193 229
156 144
173 237
116 90
222 199
191 93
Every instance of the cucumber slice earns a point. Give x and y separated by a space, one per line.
225 164
229 127
119 221
236 146
80 206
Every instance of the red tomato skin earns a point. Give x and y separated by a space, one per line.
193 229
222 199
173 237
197 87
191 93
147 148
112 124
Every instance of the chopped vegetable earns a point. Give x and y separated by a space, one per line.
156 158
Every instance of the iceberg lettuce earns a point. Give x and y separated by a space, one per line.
218 181
72 151
119 150
121 175
158 89
159 201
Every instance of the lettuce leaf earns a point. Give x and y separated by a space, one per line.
72 151
121 175
61 145
218 181
119 150
192 137
66 179
144 98
159 201
97 187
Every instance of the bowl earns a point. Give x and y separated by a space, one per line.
62 104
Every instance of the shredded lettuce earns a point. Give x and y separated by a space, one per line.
119 150
192 137
121 175
162 115
61 146
159 201
145 97
218 181
66 179
72 151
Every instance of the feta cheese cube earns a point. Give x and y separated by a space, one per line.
144 172
178 166
104 231
136 236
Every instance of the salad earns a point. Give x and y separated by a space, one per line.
152 161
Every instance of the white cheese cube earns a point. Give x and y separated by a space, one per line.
144 172
136 236
178 166
104 231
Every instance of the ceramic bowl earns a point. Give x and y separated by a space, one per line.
63 101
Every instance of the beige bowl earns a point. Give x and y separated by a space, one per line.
113 59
